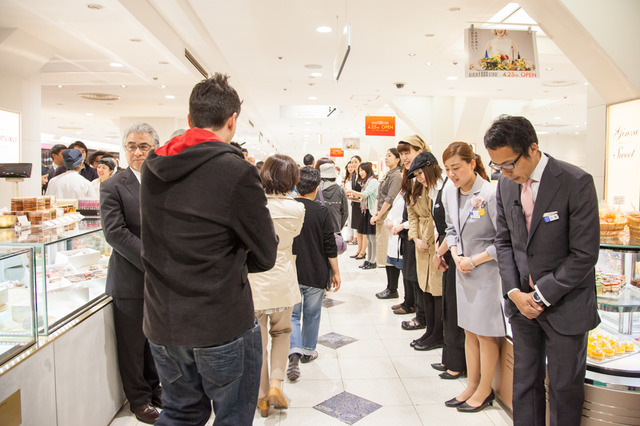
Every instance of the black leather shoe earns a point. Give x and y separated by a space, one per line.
439 366
448 376
386 294
370 265
412 325
146 414
354 256
414 342
156 399
453 402
466 408
427 346
365 264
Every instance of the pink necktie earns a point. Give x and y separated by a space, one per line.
526 197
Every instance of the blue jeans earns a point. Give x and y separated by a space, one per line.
228 375
305 342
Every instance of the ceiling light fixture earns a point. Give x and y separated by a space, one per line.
454 9
316 74
60 86
89 114
549 69
124 86
164 86
313 66
323 29
429 64
557 118
412 54
135 40
429 35
312 98
170 97
94 6
116 64
452 77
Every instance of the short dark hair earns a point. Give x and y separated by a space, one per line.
323 160
236 144
279 174
79 144
94 157
212 102
368 168
309 180
57 149
512 131
308 160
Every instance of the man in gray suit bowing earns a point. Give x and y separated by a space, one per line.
547 242
120 215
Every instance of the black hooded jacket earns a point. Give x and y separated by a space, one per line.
205 224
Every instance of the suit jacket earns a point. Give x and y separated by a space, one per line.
120 216
560 255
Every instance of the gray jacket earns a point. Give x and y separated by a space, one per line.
336 201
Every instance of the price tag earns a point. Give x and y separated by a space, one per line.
23 221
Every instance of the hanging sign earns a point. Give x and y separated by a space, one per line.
336 152
623 155
501 53
380 126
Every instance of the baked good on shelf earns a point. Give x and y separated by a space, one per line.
596 354
611 223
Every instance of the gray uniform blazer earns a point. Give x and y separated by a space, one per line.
559 254
473 231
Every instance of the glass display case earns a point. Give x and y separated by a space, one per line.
17 307
70 270
614 346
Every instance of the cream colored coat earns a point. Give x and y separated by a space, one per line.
278 287
421 226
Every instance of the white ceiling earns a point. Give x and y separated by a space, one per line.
264 45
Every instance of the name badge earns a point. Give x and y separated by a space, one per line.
550 216
474 214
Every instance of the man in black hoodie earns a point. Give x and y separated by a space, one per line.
205 225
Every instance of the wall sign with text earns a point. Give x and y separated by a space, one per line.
380 126
10 136
501 53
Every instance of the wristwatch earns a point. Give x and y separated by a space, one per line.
536 297
473 265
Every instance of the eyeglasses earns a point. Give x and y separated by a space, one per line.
143 147
508 166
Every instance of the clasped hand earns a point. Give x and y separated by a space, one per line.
525 304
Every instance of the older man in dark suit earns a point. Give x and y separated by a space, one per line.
547 244
120 214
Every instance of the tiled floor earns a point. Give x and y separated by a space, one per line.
376 379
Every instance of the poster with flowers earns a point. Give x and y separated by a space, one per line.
501 53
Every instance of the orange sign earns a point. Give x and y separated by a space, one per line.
380 126
336 152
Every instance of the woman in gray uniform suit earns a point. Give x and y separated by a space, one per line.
470 206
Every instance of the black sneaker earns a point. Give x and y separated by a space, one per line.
308 358
386 294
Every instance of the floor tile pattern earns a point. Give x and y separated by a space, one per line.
347 407
335 340
328 302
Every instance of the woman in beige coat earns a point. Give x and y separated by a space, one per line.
422 232
276 291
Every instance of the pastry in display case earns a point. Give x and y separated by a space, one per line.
17 308
70 270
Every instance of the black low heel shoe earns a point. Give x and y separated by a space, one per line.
453 403
438 366
466 408
358 257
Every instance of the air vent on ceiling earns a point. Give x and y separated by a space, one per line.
195 63
559 83
99 96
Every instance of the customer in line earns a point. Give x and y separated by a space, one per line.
56 162
69 184
331 194
275 292
120 217
349 231
316 256
549 288
356 213
408 148
388 189
87 172
205 226
105 168
367 202
428 176
471 230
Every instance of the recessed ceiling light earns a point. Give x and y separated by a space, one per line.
549 68
429 35
429 64
164 86
323 29
577 125
412 54
452 77
94 6
557 118
586 83
60 86
124 86
312 98
577 133
316 74
116 64
89 114
170 97
135 40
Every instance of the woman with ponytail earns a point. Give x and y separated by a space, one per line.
470 207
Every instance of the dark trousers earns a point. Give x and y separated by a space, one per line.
453 351
536 345
433 318
393 275
418 294
135 362
409 301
